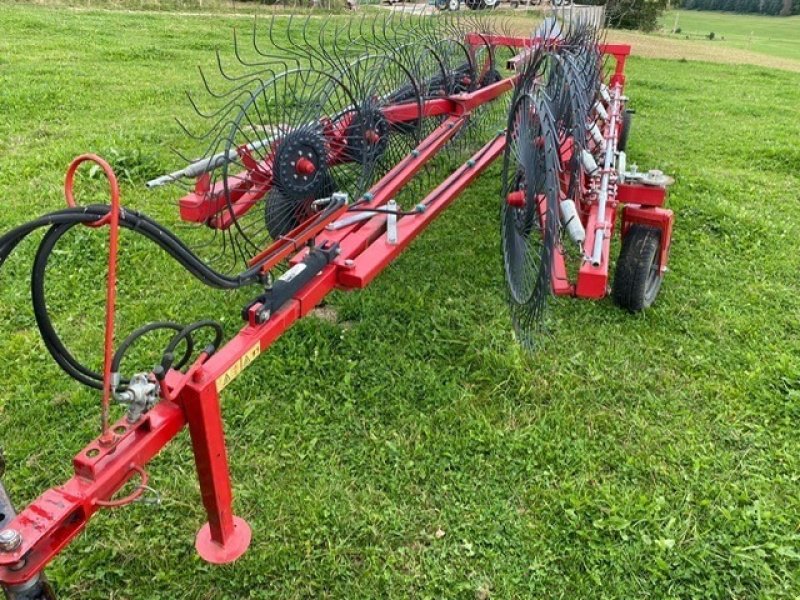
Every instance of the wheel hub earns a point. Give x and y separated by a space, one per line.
300 164
367 135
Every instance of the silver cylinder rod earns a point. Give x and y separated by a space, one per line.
350 220
206 165
608 162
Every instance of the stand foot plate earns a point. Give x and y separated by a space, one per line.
219 554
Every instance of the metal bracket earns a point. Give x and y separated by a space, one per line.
288 284
140 395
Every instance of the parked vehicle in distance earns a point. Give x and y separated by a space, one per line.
481 4
453 5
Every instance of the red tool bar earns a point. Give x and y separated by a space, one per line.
411 111
380 253
402 172
475 39
593 281
620 52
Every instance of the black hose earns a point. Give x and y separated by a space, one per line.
142 225
62 221
59 222
187 331
52 342
145 329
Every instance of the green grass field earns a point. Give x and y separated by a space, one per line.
775 36
411 450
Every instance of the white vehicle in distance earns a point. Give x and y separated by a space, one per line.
490 4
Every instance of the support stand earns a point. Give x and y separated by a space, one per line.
224 538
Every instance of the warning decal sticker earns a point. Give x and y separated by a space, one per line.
239 366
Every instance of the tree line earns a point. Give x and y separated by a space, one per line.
762 7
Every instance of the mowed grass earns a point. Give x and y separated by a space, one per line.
775 36
411 449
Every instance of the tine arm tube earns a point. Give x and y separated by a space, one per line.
605 179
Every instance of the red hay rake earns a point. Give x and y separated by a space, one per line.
309 153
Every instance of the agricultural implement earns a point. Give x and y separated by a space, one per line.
316 152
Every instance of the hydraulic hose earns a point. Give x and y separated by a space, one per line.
59 223
142 225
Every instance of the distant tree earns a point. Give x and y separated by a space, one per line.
634 14
764 7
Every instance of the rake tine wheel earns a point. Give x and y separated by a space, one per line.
529 211
551 127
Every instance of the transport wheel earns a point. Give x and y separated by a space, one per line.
625 130
453 5
490 4
638 277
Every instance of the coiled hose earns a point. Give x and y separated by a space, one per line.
59 223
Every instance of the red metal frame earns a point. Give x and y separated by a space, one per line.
644 204
103 467
659 218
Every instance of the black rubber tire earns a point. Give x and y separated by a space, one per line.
625 130
638 277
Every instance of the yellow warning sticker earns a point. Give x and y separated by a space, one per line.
239 366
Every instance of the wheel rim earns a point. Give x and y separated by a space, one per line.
653 280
